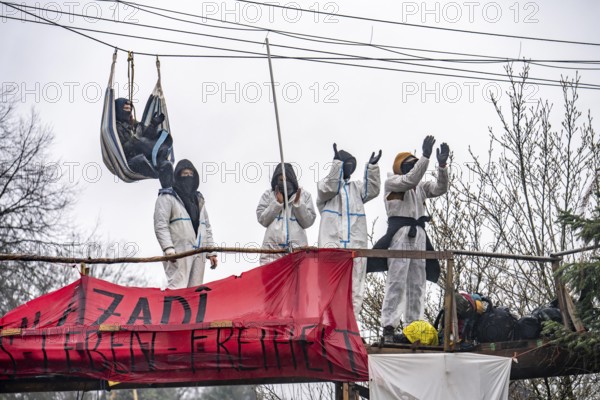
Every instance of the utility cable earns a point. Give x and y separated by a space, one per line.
423 26
75 29
350 56
304 36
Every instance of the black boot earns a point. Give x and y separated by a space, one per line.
388 334
141 165
165 174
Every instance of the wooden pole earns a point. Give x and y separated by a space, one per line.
440 255
346 391
85 270
449 308
565 302
560 295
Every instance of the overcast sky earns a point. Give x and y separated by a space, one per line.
221 112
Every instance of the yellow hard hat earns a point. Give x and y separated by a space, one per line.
400 158
422 331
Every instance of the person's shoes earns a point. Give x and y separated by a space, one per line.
141 165
165 174
388 334
400 338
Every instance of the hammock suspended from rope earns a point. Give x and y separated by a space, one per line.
112 150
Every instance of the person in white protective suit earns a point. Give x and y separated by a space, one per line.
271 214
405 196
343 220
181 224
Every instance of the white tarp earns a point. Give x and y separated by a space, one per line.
438 376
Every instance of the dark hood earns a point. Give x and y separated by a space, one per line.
187 164
186 188
349 163
120 114
290 176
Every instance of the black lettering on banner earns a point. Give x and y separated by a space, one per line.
105 362
347 334
36 319
240 360
196 348
276 349
329 363
275 342
44 351
117 298
144 347
114 344
152 359
220 345
66 347
305 343
187 316
142 307
264 348
12 360
68 311
202 304
291 340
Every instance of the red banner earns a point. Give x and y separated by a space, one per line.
289 319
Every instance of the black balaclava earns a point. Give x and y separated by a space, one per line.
122 115
186 187
408 164
349 163
291 180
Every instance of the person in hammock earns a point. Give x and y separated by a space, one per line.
138 143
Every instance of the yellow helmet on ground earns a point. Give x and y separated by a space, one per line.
422 331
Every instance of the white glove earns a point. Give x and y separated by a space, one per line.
170 251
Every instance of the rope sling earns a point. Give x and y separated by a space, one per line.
113 154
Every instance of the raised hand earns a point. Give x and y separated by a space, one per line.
278 195
298 195
157 118
428 146
442 154
336 155
375 158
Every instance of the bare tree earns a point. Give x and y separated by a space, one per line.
33 207
303 391
510 201
34 219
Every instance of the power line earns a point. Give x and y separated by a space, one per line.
284 46
422 26
310 59
54 23
75 29
348 56
304 36
542 64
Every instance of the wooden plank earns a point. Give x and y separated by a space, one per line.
449 307
414 254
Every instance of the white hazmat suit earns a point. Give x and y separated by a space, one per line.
405 286
272 215
174 229
343 219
